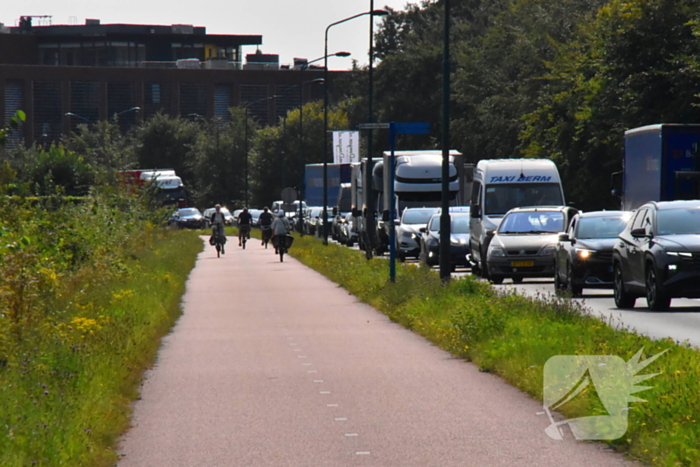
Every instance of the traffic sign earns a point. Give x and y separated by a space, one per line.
289 195
412 128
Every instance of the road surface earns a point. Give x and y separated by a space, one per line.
271 364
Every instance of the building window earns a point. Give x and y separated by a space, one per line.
47 111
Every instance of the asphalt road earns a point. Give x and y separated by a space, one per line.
271 364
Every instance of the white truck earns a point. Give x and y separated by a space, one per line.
501 185
417 183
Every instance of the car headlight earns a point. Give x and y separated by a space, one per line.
584 253
432 242
680 254
457 241
496 251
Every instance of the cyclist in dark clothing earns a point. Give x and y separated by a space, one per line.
265 221
244 219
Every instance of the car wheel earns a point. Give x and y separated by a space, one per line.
572 288
496 279
657 300
400 257
517 280
557 280
484 266
622 298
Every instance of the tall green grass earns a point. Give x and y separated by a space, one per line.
514 336
86 291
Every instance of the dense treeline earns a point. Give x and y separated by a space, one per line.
209 155
559 79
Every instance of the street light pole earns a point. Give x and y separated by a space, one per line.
325 115
445 234
302 68
245 170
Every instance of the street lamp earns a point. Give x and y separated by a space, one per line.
133 109
325 115
71 114
445 257
301 120
245 108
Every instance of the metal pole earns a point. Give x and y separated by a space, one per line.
370 211
246 157
392 207
445 250
301 140
325 137
325 116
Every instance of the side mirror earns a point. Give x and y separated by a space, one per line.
385 216
564 237
335 211
356 212
490 233
639 232
422 230
475 211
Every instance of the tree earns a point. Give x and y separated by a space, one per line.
220 156
277 161
634 64
166 142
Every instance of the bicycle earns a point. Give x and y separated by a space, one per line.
218 240
244 234
266 234
282 243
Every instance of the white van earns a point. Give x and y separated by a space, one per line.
501 185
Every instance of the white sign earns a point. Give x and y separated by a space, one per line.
346 147
374 126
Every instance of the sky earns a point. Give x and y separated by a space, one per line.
288 28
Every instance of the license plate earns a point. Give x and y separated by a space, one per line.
522 264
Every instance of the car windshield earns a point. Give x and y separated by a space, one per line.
417 217
501 198
532 222
435 224
679 221
460 224
188 212
600 227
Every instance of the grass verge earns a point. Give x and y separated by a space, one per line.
514 336
65 399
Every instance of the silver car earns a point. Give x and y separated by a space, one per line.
524 244
408 231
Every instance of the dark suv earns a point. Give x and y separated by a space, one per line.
658 255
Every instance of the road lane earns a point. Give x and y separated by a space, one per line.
271 364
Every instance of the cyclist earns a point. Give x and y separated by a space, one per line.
280 226
244 219
265 221
217 226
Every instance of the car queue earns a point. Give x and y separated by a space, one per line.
652 252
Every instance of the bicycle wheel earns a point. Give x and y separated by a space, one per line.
218 250
244 241
281 254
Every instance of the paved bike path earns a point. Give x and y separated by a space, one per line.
271 364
